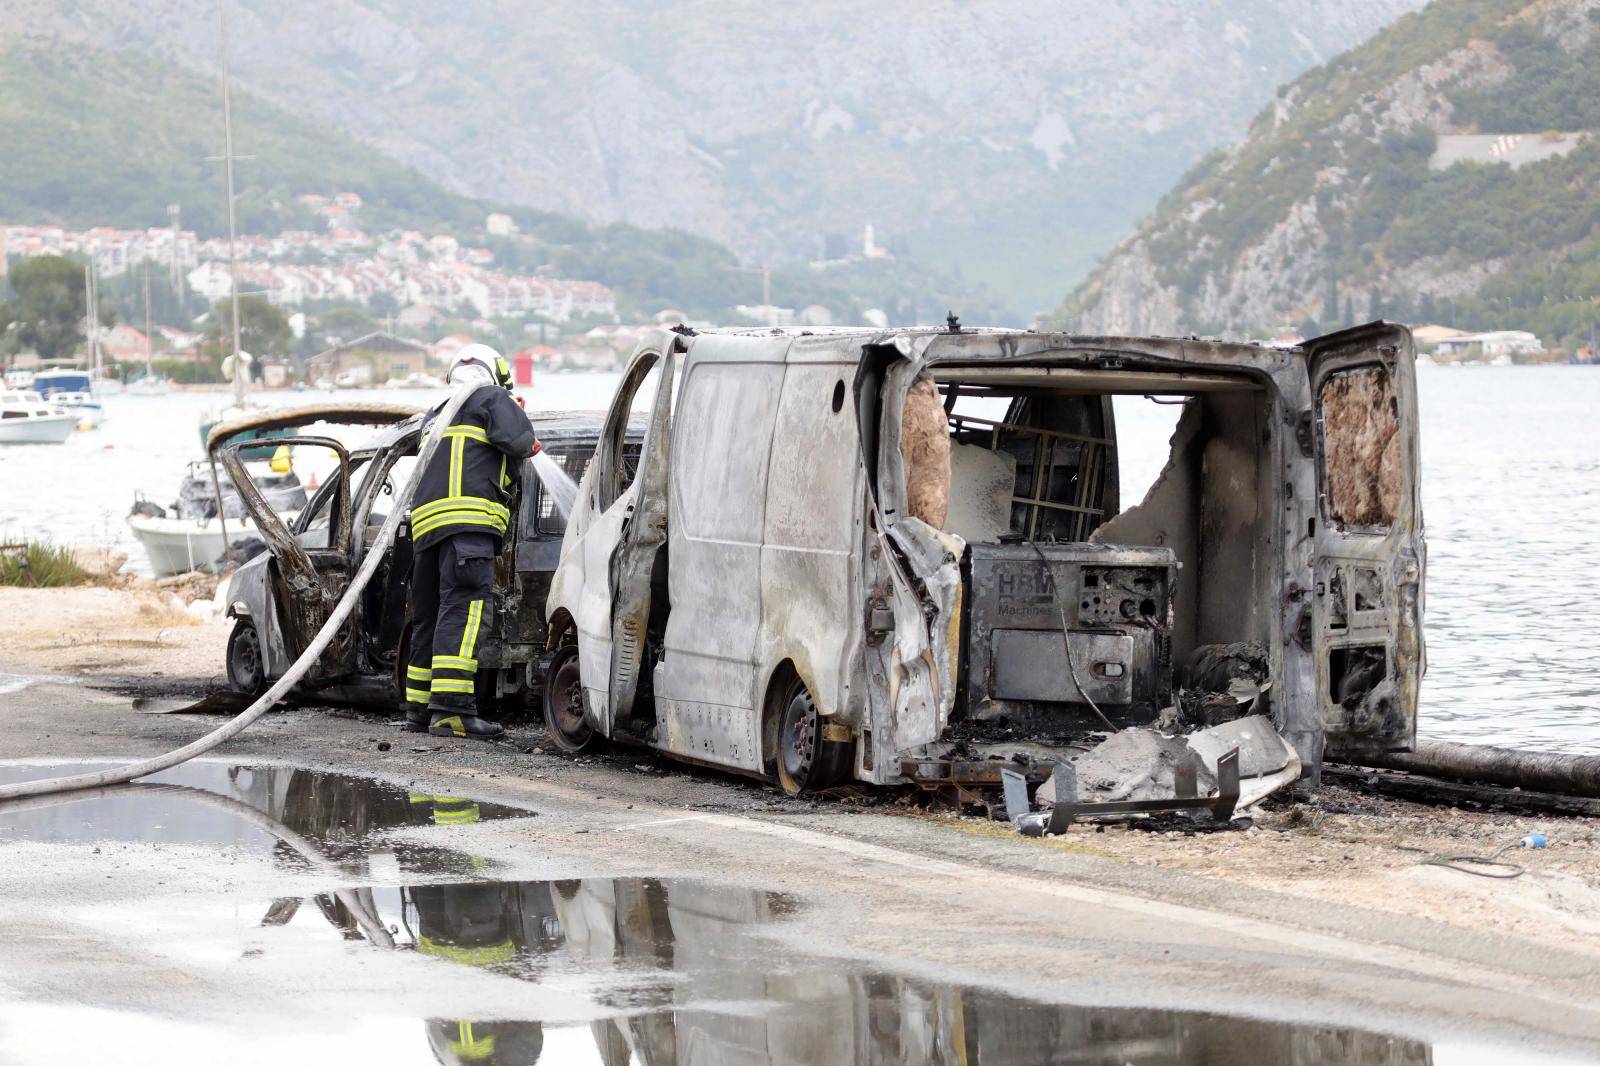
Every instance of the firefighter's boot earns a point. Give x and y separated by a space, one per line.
448 723
418 719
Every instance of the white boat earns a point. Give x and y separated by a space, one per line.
181 545
19 379
188 534
91 414
25 418
149 385
420 381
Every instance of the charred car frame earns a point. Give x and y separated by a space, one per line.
281 598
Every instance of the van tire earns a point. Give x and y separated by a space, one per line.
247 670
563 701
806 761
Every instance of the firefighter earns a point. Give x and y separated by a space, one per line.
458 517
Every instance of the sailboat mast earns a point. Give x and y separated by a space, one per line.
227 163
149 366
91 320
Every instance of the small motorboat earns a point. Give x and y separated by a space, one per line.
189 533
91 413
26 418
149 385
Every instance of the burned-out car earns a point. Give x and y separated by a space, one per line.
772 590
280 599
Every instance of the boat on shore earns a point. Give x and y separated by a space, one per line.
194 533
149 385
26 418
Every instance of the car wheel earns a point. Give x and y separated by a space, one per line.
563 702
806 760
247 670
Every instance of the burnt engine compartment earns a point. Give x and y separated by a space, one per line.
1050 628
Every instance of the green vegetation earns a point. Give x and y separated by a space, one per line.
1551 89
1380 206
263 330
45 309
40 564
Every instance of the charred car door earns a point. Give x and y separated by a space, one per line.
613 536
1368 556
311 566
915 603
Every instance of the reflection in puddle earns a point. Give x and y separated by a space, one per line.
683 975
214 803
653 972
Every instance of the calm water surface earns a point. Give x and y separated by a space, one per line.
1511 495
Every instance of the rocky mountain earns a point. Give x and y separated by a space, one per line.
1446 170
1013 140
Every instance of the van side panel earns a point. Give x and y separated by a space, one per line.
813 533
707 701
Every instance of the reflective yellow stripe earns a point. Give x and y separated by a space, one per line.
466 817
418 673
450 684
455 662
416 695
458 446
460 503
470 1048
505 482
458 518
469 636
484 956
468 431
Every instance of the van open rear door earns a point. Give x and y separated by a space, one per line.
1368 555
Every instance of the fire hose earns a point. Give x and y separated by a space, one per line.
117 775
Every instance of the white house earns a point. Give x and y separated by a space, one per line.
1491 345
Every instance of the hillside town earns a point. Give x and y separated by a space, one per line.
428 291
420 292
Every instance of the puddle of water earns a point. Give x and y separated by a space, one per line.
682 973
595 970
218 804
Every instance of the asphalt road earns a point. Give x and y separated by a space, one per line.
159 943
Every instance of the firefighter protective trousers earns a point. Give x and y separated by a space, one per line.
452 582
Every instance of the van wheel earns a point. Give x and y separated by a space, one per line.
247 672
806 761
563 701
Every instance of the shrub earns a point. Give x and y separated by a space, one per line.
40 564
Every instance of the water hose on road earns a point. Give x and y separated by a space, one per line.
369 565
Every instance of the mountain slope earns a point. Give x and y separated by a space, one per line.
1447 169
1010 139
95 137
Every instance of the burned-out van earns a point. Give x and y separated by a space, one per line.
769 590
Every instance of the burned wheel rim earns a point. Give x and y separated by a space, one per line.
245 670
798 741
563 702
